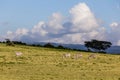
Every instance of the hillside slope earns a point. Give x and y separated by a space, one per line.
37 63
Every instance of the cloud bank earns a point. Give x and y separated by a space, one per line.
81 26
115 33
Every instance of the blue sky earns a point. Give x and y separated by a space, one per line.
15 14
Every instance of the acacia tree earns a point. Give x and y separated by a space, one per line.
60 47
87 44
49 45
97 45
9 43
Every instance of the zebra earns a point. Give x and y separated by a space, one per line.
76 56
92 56
18 53
67 55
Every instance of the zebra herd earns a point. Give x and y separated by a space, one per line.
78 55
67 55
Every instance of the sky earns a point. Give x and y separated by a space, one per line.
63 21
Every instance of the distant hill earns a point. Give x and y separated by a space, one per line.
112 49
71 46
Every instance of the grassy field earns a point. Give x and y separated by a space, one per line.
37 63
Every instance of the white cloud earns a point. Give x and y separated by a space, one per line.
17 35
114 24
21 31
39 29
10 35
53 26
82 18
55 23
115 33
81 26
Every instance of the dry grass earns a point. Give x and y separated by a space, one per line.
38 63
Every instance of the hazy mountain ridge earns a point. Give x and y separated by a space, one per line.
112 49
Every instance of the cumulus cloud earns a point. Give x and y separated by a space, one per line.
79 27
82 18
39 29
115 33
55 23
53 26
114 24
22 31
18 34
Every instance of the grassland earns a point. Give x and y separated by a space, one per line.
37 63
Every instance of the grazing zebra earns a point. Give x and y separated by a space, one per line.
67 55
92 56
18 53
76 56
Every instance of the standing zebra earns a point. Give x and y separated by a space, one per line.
67 55
92 56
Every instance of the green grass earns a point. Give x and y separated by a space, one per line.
39 63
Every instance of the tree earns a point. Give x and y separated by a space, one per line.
60 47
49 45
88 45
98 45
9 43
19 42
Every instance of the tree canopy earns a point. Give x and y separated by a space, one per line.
49 45
9 43
97 45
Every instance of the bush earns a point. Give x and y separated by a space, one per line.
60 47
49 45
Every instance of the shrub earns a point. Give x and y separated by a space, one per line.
49 45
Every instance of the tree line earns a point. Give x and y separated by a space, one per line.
92 46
